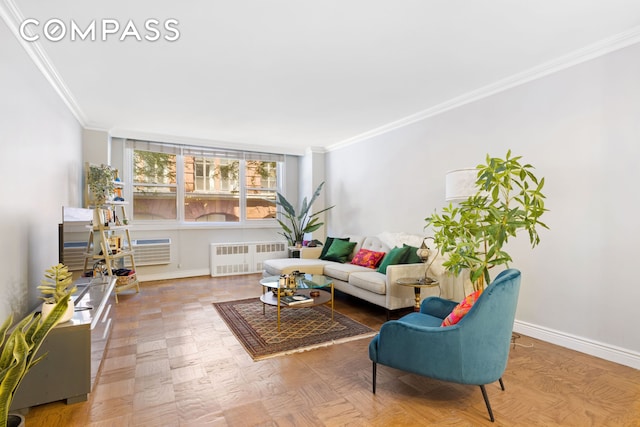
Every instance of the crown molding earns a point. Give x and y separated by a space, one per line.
576 57
13 18
315 150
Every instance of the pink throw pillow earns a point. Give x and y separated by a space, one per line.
461 309
367 258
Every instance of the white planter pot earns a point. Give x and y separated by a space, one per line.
47 307
15 420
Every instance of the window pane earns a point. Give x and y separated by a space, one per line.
212 207
154 168
262 174
211 189
154 190
262 182
261 204
154 203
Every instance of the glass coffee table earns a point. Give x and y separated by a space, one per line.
310 285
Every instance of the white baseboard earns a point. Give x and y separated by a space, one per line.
583 345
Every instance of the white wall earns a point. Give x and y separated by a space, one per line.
580 128
40 171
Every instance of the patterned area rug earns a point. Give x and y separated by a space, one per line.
300 328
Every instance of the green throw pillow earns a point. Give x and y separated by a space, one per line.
395 256
340 251
412 257
327 244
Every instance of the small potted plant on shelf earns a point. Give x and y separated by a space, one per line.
100 180
56 285
18 354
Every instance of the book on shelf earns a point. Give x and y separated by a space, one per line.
296 299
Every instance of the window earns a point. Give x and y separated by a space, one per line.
200 184
261 187
154 186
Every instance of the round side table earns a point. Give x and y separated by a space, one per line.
417 284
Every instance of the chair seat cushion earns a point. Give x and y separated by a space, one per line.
421 319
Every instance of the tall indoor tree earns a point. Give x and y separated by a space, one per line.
472 234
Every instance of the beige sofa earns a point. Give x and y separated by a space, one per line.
361 282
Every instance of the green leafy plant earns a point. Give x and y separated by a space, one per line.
18 351
302 222
509 199
57 284
101 182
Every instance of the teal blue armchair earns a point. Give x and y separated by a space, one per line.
473 351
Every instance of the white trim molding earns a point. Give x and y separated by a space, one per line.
579 56
583 345
13 18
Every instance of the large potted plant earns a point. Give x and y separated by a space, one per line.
472 234
18 354
299 223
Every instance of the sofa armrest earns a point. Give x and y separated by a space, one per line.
399 296
400 271
310 253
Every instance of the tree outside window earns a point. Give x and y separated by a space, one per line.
154 186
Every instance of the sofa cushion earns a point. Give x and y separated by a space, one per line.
395 256
373 244
327 244
371 281
339 251
367 258
342 271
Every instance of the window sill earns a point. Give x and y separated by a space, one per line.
152 226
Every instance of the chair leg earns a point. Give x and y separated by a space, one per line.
501 383
486 401
374 377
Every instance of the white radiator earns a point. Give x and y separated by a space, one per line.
145 252
243 258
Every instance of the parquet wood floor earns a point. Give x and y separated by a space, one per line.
171 361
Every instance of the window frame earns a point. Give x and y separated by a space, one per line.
181 151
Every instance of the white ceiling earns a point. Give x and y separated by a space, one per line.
298 73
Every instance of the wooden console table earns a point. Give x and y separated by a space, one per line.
75 350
